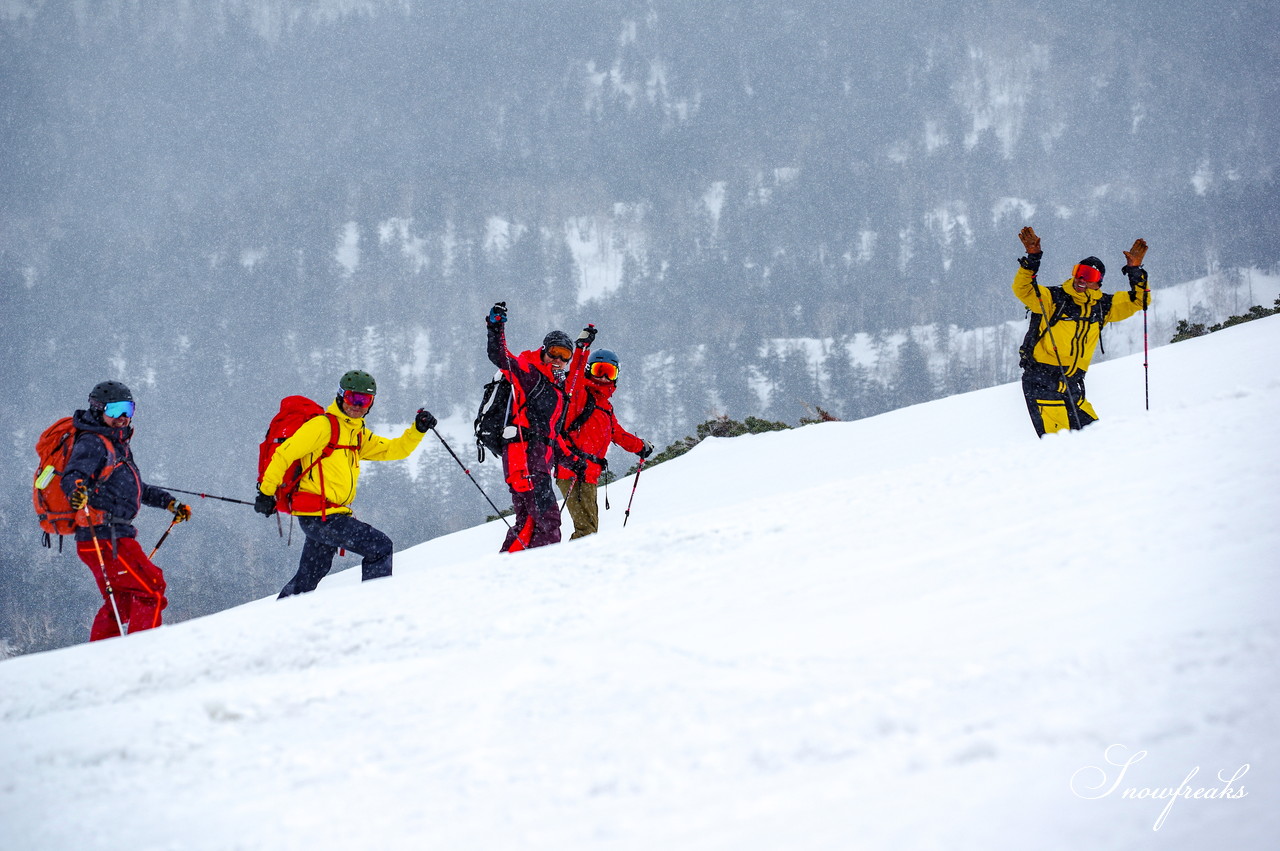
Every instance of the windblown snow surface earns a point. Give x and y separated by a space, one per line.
924 630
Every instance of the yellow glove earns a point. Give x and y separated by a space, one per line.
181 513
79 496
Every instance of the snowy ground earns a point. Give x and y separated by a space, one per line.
918 631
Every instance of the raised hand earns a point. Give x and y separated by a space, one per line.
1134 255
1030 241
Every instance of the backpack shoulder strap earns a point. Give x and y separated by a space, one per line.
1100 313
588 408
1103 308
1034 332
333 445
113 460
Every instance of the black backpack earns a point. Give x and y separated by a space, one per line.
492 418
1062 305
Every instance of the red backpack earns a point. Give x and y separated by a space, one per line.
294 412
54 512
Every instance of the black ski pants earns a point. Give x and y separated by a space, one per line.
1055 402
325 537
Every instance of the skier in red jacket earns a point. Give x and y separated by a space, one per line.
590 427
535 441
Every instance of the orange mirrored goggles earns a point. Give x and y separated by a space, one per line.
1087 274
602 370
559 353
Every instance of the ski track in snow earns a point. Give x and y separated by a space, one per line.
904 632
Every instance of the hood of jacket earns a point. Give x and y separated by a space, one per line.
92 421
601 390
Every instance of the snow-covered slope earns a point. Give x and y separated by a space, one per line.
923 630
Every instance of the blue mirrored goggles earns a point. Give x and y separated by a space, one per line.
118 409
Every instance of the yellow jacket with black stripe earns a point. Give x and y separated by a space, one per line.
1073 336
340 471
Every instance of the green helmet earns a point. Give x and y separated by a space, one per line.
359 381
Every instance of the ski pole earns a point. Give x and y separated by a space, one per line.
497 510
206 495
162 537
102 565
573 484
626 515
1146 371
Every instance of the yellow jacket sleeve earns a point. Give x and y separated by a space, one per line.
1024 287
377 448
1127 303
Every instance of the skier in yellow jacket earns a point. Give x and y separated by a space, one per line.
323 500
1059 344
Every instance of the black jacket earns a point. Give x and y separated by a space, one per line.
538 399
123 492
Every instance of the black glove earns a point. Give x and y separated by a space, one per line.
1138 288
645 451
575 465
79 496
424 421
497 314
586 338
264 505
1031 262
181 513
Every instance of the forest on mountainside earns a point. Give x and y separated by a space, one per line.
224 203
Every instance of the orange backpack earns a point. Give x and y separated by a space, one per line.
54 512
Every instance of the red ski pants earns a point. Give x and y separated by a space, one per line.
137 584
537 513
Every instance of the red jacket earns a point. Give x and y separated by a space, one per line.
591 426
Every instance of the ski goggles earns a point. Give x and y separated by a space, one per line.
602 370
357 400
559 353
118 409
1086 274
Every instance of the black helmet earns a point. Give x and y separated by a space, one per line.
557 338
1095 263
359 381
106 392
